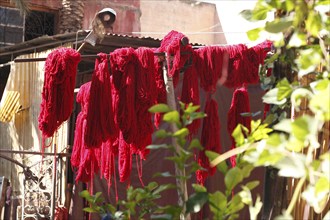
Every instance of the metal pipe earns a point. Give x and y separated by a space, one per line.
33 152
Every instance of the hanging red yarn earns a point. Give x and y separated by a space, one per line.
86 160
172 45
253 58
209 66
210 140
123 65
58 89
190 92
240 104
78 144
236 71
124 159
160 91
145 98
100 121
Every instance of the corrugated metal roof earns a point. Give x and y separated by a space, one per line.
108 44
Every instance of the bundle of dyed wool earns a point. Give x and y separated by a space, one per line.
172 45
160 91
240 104
209 64
123 66
100 121
190 92
127 65
85 160
58 89
236 69
253 58
145 98
210 140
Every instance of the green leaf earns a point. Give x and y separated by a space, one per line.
85 194
162 217
246 196
308 60
97 197
183 132
289 5
300 128
222 167
292 167
233 177
218 203
320 104
156 146
246 14
238 135
284 217
89 210
161 133
284 125
252 184
254 34
297 40
152 185
314 23
271 97
196 202
163 187
266 158
254 210
284 89
195 143
246 170
164 174
322 185
274 139
199 188
295 145
278 25
172 117
260 11
235 204
191 108
162 108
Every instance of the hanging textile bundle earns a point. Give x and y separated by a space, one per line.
86 160
210 140
124 159
78 144
145 98
190 92
109 151
58 89
253 58
160 91
240 104
123 65
209 66
236 69
100 121
172 45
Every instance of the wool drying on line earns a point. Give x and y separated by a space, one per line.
114 122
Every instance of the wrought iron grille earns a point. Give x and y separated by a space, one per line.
40 189
39 23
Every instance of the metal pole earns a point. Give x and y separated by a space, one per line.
54 184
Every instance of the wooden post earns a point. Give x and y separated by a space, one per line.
182 184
